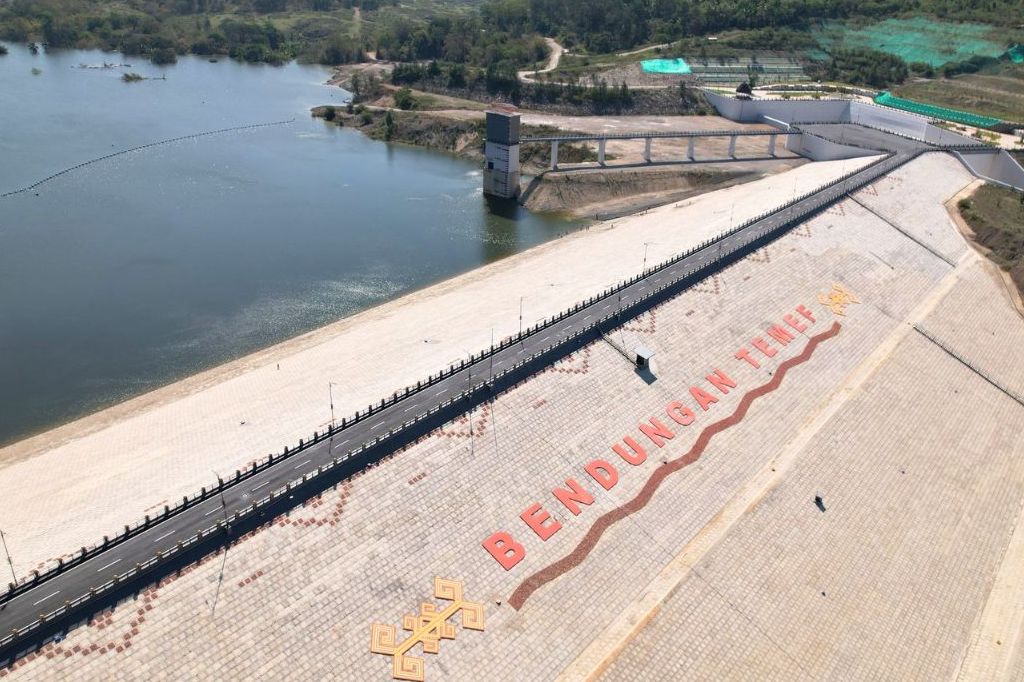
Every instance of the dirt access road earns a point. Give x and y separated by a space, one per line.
553 59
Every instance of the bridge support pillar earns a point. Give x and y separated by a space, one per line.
771 146
689 150
554 155
732 147
600 152
647 150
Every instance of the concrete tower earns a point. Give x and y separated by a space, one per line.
501 151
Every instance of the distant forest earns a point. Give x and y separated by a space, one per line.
608 25
503 34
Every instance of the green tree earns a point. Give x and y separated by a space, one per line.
389 125
404 99
625 96
456 76
164 55
751 76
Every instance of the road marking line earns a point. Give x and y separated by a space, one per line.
100 570
259 486
165 535
410 408
299 466
376 426
442 392
211 511
46 597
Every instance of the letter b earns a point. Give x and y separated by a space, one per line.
504 549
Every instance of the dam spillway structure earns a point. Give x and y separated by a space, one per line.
501 155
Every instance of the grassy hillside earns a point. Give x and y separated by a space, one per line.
999 93
997 217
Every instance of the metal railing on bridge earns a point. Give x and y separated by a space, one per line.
652 134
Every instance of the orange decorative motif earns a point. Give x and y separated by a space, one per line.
428 628
838 299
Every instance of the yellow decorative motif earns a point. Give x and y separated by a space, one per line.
428 628
838 299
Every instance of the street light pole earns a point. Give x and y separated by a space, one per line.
9 562
330 391
227 544
469 382
521 317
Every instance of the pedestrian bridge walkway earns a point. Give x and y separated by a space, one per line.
691 135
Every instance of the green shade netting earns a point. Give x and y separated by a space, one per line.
665 66
886 98
915 40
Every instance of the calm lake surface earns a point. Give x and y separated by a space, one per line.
131 272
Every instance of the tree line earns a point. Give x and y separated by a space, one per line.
161 29
497 36
603 26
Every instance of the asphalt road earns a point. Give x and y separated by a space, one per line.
24 609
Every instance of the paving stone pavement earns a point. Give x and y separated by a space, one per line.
920 472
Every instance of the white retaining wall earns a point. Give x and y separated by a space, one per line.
997 166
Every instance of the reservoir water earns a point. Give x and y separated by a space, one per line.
136 270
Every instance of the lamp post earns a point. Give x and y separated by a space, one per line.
9 562
469 384
521 317
330 392
227 545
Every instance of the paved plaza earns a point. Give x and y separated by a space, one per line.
820 476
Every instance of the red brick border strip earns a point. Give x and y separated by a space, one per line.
603 523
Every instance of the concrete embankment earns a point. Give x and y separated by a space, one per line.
120 463
773 476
